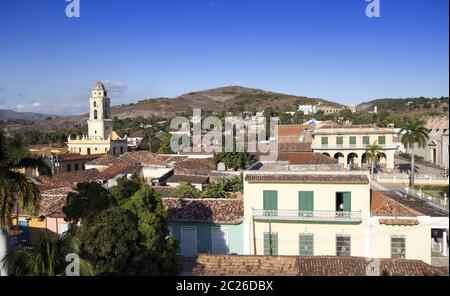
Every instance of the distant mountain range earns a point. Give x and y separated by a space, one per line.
27 116
230 98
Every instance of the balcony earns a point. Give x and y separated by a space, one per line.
308 216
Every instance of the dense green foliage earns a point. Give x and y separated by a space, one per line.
13 184
234 160
124 230
46 257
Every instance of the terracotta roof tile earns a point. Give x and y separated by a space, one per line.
294 147
192 166
230 211
309 158
382 205
292 130
188 178
391 203
309 179
399 222
231 265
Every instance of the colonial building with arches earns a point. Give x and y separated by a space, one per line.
349 144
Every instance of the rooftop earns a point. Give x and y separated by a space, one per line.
99 85
392 203
193 179
233 265
299 178
228 211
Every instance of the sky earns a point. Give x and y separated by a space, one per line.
163 48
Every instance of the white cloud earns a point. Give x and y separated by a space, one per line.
28 107
115 88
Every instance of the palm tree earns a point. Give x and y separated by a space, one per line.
46 257
373 155
15 187
412 134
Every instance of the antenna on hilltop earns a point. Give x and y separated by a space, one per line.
238 82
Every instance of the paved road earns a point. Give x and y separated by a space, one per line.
402 165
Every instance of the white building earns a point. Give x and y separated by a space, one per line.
335 213
308 109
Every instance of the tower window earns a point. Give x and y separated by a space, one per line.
95 104
95 114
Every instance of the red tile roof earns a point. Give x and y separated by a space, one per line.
294 147
382 205
309 158
230 265
188 178
229 211
292 130
399 222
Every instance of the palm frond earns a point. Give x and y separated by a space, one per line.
34 162
28 196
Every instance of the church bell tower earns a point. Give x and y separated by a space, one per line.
100 122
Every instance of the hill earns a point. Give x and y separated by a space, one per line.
230 98
6 115
408 106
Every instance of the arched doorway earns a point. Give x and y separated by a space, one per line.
364 161
340 157
353 160
382 159
326 154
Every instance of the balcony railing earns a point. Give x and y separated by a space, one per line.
308 216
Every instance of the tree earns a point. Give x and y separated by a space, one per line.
47 257
298 117
86 203
15 187
373 155
110 242
412 134
234 160
159 254
185 190
220 188
131 236
164 145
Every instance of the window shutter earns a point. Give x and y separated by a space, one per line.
347 197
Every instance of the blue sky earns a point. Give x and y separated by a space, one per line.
149 48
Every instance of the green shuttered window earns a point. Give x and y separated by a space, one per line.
306 243
270 243
324 140
366 140
270 202
381 140
352 140
305 202
339 140
347 201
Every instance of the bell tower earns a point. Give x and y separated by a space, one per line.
100 122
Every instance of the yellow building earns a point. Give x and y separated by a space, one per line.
348 144
101 138
328 213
